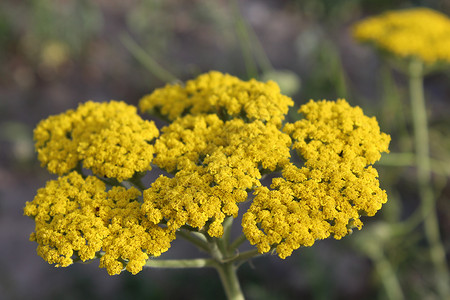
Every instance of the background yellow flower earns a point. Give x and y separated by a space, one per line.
417 32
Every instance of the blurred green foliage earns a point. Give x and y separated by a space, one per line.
71 24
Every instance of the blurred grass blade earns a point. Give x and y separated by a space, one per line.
244 40
407 159
260 54
145 59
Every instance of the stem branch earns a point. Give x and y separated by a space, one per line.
387 275
230 281
237 242
181 263
423 164
196 240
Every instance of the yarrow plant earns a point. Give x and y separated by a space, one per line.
418 40
223 137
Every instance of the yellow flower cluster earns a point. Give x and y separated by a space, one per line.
418 32
224 133
224 136
80 217
222 94
330 191
109 138
215 163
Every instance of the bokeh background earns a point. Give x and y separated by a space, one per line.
57 53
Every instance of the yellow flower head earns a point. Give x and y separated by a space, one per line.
418 32
79 217
330 191
109 138
222 94
224 135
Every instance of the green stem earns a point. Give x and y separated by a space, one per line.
226 267
398 159
214 249
243 36
196 240
225 239
79 169
181 263
237 242
230 281
221 258
260 54
136 180
145 59
111 182
387 275
247 255
407 159
427 196
242 257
